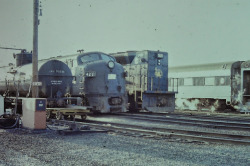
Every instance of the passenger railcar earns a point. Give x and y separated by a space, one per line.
147 80
215 86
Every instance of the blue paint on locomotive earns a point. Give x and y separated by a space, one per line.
157 71
100 80
147 80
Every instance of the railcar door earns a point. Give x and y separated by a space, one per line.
236 83
246 87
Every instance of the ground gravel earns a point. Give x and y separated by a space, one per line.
20 147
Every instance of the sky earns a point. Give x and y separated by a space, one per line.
191 31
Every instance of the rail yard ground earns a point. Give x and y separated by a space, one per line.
20 147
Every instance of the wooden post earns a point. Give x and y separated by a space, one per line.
35 49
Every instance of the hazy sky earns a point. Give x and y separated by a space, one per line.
191 31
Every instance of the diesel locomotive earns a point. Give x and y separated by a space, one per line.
216 86
147 80
99 80
96 81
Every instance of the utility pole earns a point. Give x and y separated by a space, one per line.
35 90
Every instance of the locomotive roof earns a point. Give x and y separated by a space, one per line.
128 56
62 57
137 51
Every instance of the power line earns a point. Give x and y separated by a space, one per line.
8 48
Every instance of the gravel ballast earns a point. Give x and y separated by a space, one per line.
20 147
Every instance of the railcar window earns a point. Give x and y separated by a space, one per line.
188 81
209 81
175 81
199 81
222 80
181 81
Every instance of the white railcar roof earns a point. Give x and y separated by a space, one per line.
202 70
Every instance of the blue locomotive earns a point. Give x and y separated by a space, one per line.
147 80
99 80
93 81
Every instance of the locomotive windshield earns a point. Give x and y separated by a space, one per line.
106 57
85 58
89 58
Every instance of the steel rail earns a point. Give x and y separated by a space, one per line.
192 122
167 132
201 115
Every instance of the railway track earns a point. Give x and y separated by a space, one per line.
209 122
161 132
205 115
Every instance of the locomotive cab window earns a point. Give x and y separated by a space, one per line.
140 58
107 58
88 58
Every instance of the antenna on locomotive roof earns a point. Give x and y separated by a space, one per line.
80 51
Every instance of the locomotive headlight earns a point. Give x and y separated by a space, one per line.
111 64
159 56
